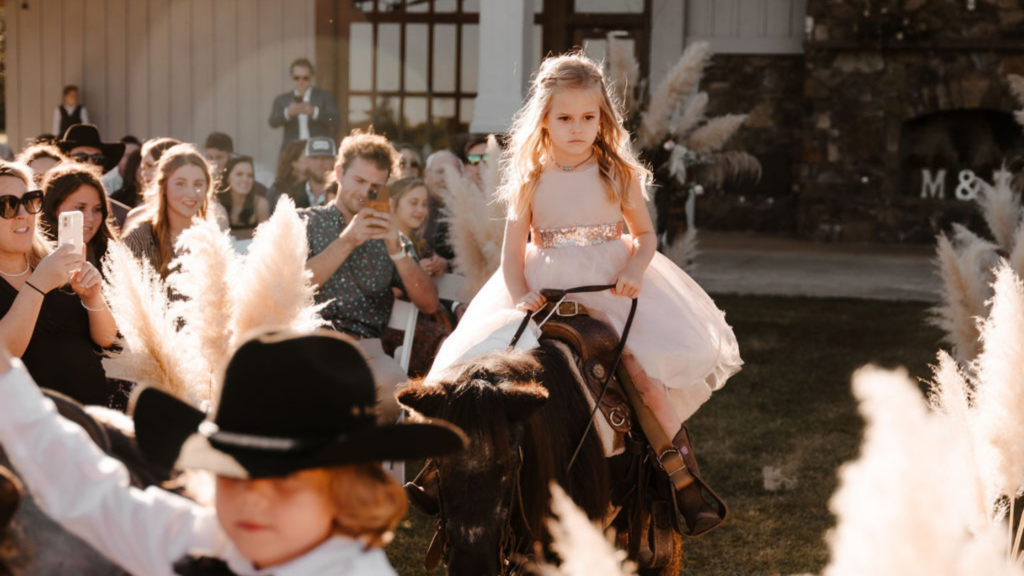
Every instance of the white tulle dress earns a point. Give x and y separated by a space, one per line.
679 336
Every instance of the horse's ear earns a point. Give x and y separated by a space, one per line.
522 400
427 400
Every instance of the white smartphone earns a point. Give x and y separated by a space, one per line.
69 229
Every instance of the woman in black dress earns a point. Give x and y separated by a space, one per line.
52 312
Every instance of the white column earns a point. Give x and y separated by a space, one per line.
506 46
668 36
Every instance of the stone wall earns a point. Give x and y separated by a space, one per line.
867 71
768 88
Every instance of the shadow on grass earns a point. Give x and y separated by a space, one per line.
790 407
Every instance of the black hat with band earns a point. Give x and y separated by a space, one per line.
290 402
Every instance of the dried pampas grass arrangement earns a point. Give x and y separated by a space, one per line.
476 223
274 288
680 84
583 548
712 136
909 505
1001 209
182 347
153 353
965 267
623 75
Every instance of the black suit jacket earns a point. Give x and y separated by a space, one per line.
327 121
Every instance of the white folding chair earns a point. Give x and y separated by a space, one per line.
449 287
403 317
241 245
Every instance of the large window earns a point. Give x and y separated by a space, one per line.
412 69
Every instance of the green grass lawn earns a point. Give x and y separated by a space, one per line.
790 407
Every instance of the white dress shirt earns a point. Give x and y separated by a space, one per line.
304 119
143 531
69 110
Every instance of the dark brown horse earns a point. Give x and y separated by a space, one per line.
525 414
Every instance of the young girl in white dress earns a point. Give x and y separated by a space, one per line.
570 182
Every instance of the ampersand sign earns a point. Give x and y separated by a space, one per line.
967 189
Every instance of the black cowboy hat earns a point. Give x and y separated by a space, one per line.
89 135
290 402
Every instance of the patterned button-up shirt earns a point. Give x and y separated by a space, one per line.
360 289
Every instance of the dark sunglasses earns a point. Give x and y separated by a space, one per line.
475 159
406 164
302 78
96 159
31 200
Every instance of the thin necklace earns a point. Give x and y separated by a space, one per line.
22 273
571 168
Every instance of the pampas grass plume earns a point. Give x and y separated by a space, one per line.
1000 394
623 74
693 113
205 269
153 353
964 269
584 550
713 135
906 507
680 84
1017 253
275 288
1001 209
684 249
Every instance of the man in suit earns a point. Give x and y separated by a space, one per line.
305 111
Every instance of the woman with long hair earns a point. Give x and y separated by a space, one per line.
180 194
71 187
410 205
52 311
245 209
291 169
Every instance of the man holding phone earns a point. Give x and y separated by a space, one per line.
306 110
357 257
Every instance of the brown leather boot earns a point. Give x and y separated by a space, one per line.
423 490
700 507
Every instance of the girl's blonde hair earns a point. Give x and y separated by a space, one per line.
400 188
530 147
41 247
368 502
173 158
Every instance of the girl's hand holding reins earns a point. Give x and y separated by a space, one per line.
88 283
56 268
531 302
628 283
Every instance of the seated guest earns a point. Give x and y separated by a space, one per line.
151 153
219 148
291 168
436 233
409 204
411 164
40 158
76 187
130 193
82 143
476 159
245 208
312 190
115 179
356 257
181 196
52 311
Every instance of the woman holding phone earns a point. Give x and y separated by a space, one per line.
77 187
180 194
52 311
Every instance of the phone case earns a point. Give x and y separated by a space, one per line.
69 229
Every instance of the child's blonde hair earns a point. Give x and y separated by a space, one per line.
368 503
530 145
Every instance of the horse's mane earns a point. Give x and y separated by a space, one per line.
480 404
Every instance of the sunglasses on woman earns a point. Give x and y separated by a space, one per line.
475 159
31 200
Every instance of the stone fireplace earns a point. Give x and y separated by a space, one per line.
905 103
